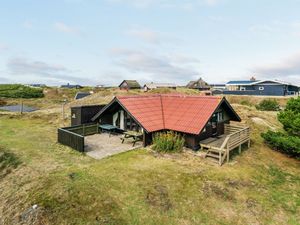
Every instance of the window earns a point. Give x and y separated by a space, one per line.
217 117
261 88
220 116
242 89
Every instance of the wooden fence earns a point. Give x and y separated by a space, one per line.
74 136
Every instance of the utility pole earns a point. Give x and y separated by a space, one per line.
63 110
21 106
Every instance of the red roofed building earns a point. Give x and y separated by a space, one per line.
197 117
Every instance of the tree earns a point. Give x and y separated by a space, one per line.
289 141
290 117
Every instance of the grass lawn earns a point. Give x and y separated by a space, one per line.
259 186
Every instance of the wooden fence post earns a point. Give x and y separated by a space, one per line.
21 107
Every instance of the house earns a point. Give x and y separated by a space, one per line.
129 84
37 85
151 86
199 84
218 86
196 117
80 95
71 86
261 87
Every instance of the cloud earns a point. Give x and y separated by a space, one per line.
27 24
211 2
151 36
287 69
277 28
180 4
3 47
146 35
42 70
62 27
155 67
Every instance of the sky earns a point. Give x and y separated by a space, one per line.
93 42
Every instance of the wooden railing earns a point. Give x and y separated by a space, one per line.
236 136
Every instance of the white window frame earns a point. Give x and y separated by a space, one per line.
261 88
242 89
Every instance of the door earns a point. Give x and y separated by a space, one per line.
214 124
122 120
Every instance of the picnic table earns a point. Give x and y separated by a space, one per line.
110 128
136 136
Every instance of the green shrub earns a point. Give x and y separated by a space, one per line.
20 91
289 142
283 143
268 105
168 142
246 102
290 117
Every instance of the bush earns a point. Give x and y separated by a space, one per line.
246 102
2 102
20 91
289 142
268 105
168 142
290 117
283 143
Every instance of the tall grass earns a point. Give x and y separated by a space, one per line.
168 142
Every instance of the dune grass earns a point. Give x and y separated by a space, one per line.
259 186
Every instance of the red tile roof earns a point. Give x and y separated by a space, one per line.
188 114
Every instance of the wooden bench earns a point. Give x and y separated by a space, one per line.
136 136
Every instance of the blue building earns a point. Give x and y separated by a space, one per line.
261 87
70 86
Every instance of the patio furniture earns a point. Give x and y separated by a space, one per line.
111 129
136 136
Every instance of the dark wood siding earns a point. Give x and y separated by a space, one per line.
74 136
84 114
71 139
220 128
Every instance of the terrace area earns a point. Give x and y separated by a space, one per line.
221 146
102 145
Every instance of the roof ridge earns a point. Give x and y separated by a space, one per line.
162 112
169 95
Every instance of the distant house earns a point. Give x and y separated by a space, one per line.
199 84
80 95
37 85
151 86
218 86
71 86
261 87
129 84
217 89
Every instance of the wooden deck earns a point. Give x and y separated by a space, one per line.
220 147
